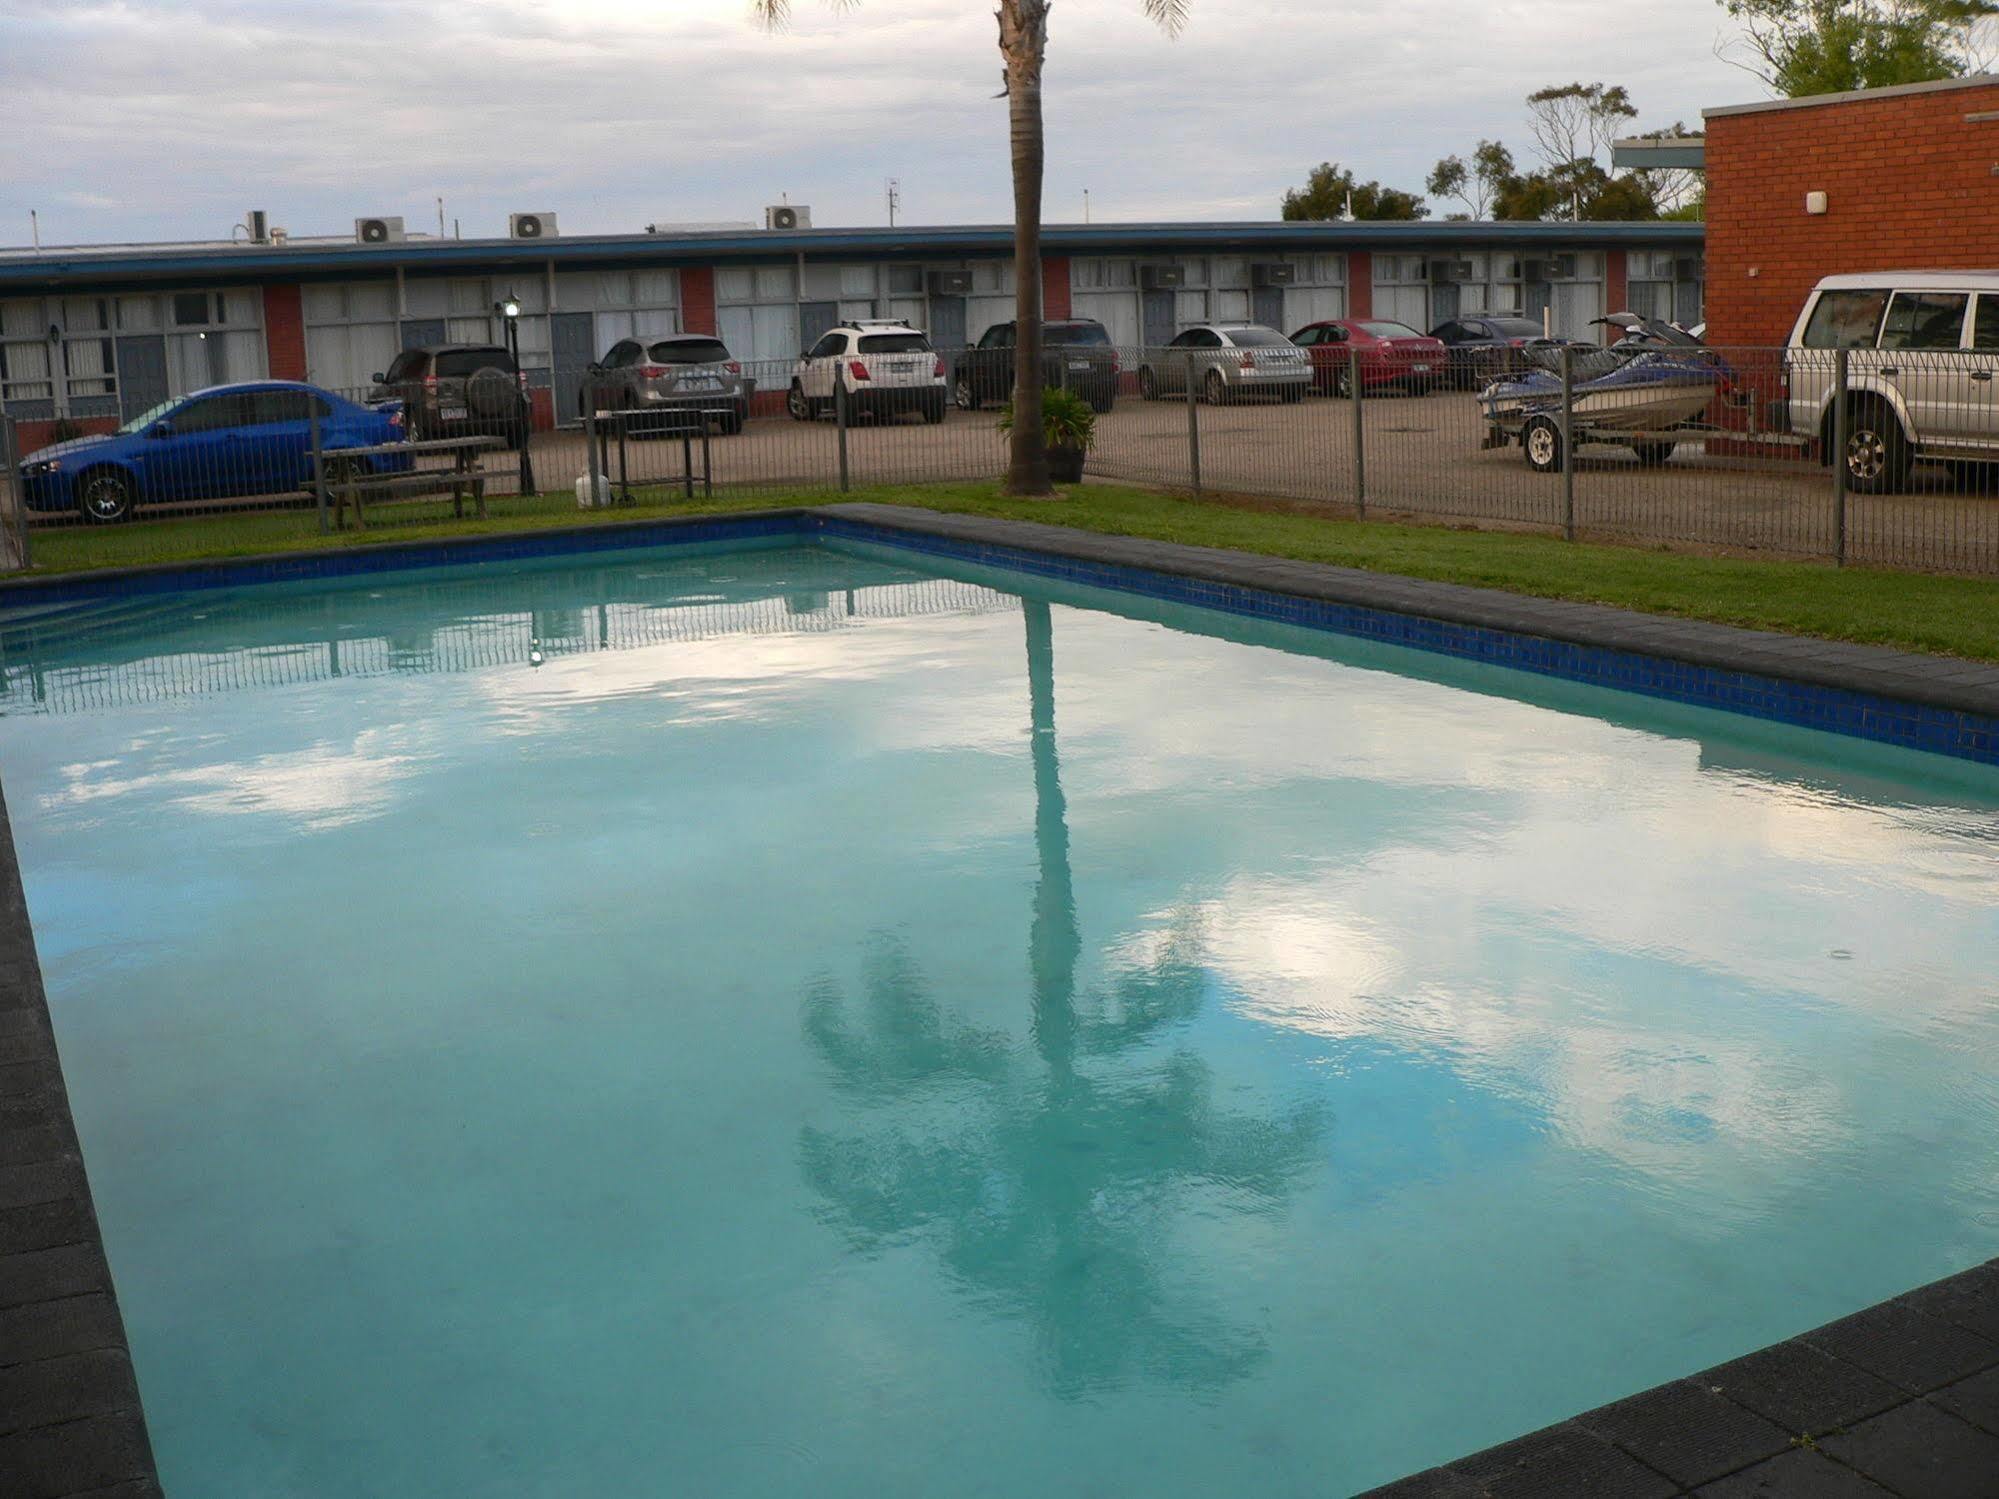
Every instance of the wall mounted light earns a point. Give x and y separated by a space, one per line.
1815 203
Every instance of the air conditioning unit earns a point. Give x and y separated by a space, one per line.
1561 268
259 224
531 226
1163 276
950 283
1533 270
1450 272
1272 273
382 231
787 216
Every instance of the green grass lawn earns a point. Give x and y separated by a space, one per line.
1952 616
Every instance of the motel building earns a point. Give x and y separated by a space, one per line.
93 335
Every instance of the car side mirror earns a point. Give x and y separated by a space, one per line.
160 429
379 378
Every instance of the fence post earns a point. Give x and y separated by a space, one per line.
1840 418
319 467
592 459
840 421
1568 442
1193 428
1354 388
10 455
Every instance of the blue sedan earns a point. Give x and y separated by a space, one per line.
248 439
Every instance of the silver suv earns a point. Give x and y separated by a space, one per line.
883 368
1922 371
673 375
1225 360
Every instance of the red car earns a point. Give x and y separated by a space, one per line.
1392 355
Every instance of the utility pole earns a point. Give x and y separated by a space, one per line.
1086 205
893 188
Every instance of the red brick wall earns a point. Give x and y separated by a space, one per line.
1616 285
1055 303
1910 183
697 300
284 332
1360 284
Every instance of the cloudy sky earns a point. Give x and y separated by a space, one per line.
167 119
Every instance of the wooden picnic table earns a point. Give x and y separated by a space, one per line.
687 421
458 478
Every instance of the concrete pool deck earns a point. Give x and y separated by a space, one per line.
1902 1398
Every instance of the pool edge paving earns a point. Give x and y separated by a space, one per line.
70 1417
1894 1399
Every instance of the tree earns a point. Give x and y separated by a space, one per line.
1477 183
1574 124
1833 46
1330 192
1023 44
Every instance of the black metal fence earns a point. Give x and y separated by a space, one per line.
1723 449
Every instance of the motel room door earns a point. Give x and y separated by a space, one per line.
571 347
1157 318
142 373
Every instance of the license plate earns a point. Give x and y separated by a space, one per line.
701 383
1079 364
1421 369
451 413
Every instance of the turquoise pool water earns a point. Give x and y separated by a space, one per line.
832 1029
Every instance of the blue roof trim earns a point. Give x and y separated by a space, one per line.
270 263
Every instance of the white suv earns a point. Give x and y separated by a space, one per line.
885 367
1920 375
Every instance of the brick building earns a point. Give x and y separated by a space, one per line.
1910 178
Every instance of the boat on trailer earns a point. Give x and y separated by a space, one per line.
1655 380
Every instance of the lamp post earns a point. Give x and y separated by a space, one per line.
509 312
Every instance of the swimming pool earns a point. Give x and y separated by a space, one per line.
802 1019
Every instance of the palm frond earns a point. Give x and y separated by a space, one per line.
771 13
1171 15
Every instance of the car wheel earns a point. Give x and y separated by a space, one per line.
1148 385
104 497
933 408
796 404
1102 402
1294 394
1877 450
965 393
1343 384
1541 441
736 420
1215 388
1652 454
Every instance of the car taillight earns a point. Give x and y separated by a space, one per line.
430 382
396 417
522 377
1248 360
1117 365
652 371
937 368
858 371
734 367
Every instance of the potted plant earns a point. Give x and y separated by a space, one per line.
1069 425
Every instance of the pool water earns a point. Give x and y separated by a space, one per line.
783 1021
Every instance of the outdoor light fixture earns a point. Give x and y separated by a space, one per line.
509 309
1815 203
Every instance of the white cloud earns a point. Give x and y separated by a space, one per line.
155 119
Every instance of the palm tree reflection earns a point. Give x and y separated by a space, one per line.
1050 1184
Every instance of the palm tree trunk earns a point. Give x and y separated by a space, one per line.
1023 28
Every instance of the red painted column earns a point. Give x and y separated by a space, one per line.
697 299
1360 284
1616 285
284 332
1055 303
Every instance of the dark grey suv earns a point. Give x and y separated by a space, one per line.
458 390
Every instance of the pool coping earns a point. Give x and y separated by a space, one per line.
71 1425
70 1417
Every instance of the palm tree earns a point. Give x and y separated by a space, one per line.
1023 43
